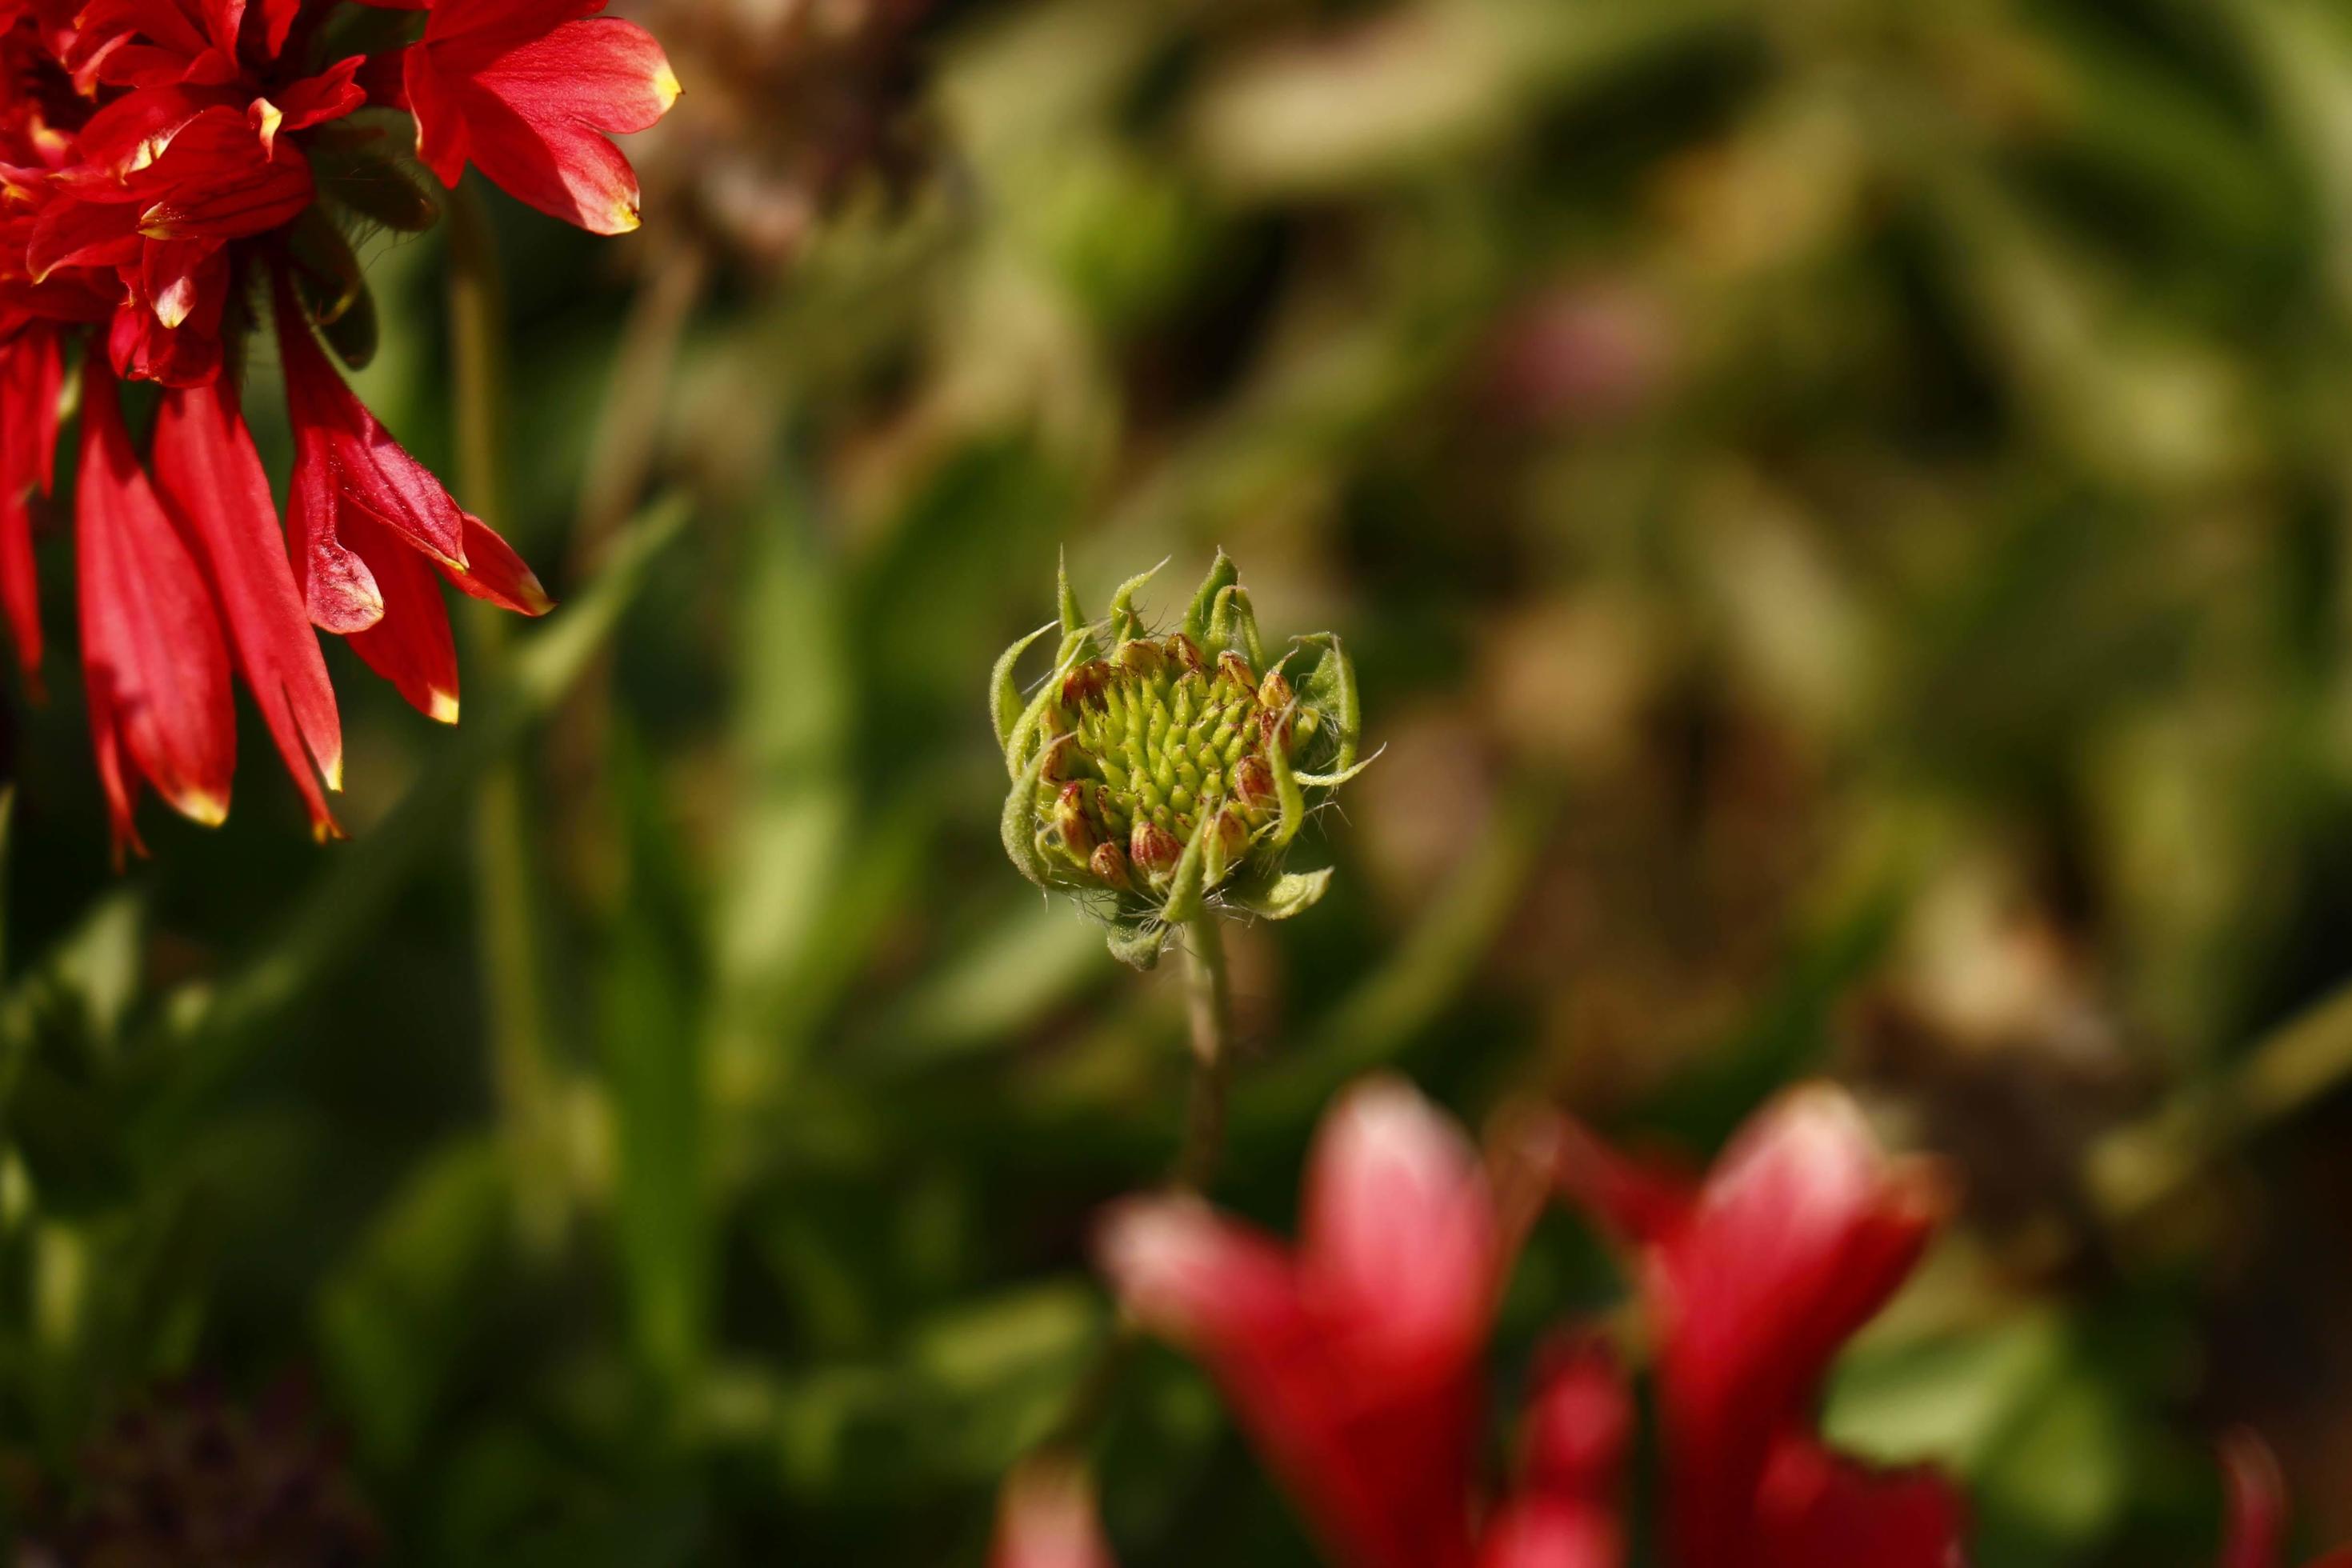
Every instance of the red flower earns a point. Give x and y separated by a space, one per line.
2257 1523
371 524
1754 1279
155 173
530 91
1354 1363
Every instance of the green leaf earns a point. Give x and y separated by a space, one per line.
1293 799
1334 780
1192 871
1123 622
1004 690
1020 823
1292 894
1074 618
1222 575
1233 623
394 1318
1331 689
1137 945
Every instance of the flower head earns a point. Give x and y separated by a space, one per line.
1354 1360
1158 774
163 165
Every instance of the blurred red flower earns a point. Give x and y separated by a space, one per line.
1354 1360
160 163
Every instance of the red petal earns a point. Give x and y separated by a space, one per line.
154 668
371 472
1544 1533
495 575
32 369
535 116
1399 1237
1355 1371
207 469
411 646
1815 1508
2257 1503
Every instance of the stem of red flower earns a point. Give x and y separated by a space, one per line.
509 952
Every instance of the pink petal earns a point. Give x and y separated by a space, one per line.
1399 1250
1045 1519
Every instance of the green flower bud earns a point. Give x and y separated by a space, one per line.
1160 777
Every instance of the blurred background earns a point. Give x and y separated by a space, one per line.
1842 511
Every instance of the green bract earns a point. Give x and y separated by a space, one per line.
1159 777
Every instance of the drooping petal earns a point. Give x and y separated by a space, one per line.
209 474
1045 1519
32 371
372 473
154 667
410 646
495 575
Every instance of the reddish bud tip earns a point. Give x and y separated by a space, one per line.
1085 684
1108 865
1139 658
1237 669
1070 819
1254 782
1275 690
1187 654
1153 848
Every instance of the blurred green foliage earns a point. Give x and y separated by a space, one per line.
1841 507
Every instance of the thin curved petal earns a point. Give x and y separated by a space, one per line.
153 664
210 476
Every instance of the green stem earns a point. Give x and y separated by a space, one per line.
1209 1001
1209 1004
2135 1170
509 953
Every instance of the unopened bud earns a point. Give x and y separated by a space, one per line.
1237 669
1229 834
1110 866
1187 654
1141 657
1059 751
1153 848
1274 692
1085 684
1254 782
1070 819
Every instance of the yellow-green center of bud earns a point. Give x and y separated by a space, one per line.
1146 744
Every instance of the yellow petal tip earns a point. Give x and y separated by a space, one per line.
444 709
